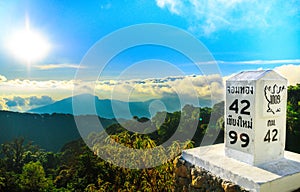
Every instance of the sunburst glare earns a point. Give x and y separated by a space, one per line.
28 45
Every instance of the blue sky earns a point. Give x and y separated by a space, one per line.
241 35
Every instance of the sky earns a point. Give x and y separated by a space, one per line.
239 35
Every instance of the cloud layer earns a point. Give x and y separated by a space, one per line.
24 103
185 86
2 78
25 94
57 66
291 72
22 95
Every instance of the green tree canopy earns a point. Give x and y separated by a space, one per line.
33 177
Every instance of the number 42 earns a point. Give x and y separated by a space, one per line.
274 136
235 107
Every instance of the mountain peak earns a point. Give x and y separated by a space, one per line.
84 96
85 104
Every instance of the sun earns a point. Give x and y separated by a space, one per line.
28 45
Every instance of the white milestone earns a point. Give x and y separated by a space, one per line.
253 154
255 116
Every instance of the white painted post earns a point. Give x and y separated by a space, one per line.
255 116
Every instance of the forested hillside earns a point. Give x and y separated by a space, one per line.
50 132
77 168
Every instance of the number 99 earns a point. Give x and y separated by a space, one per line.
243 137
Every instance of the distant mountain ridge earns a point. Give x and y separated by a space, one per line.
111 108
50 132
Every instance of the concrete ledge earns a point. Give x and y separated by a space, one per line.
277 176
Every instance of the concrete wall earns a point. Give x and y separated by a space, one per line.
194 179
190 178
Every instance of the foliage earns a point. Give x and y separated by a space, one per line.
293 109
79 169
16 153
33 177
293 119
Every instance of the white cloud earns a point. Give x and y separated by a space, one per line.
170 4
43 100
23 85
291 72
23 103
260 62
10 90
2 78
187 86
15 101
58 66
207 17
3 104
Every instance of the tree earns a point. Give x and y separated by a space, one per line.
293 109
293 118
33 177
2 183
15 154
